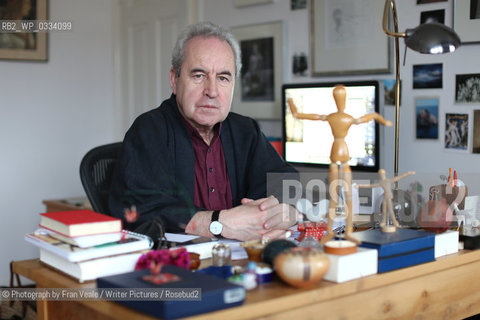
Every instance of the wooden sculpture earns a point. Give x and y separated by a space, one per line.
387 205
340 122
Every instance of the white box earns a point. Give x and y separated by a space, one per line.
352 266
446 243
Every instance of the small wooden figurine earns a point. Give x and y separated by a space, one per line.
340 122
387 204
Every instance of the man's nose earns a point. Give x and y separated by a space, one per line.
211 89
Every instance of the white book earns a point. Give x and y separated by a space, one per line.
89 241
347 267
130 242
92 269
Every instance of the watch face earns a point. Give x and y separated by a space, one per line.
216 228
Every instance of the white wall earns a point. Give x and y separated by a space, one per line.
51 114
421 156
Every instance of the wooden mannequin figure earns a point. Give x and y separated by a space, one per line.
340 122
387 205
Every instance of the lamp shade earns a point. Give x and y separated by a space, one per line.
432 38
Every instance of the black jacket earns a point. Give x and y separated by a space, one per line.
156 170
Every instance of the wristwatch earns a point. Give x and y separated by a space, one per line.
216 227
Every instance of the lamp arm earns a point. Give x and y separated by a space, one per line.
395 33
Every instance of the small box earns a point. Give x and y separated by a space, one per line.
399 249
470 238
352 266
446 243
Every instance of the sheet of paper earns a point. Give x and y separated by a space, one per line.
179 237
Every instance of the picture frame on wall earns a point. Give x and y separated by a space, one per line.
426 118
258 90
347 38
456 131
428 76
467 88
24 45
476 132
466 20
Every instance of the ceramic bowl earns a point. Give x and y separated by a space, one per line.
301 266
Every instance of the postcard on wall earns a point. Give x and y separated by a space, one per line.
476 131
467 88
427 76
389 92
456 131
426 118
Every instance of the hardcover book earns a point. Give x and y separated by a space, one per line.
399 249
79 223
214 293
130 242
89 241
94 268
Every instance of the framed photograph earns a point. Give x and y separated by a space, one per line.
476 132
389 92
456 131
466 20
23 45
429 1
437 16
246 3
347 38
426 118
428 76
467 88
258 90
298 4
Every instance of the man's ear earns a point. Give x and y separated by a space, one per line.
173 81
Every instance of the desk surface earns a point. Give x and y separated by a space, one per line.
448 288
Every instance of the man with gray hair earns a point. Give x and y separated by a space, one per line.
193 164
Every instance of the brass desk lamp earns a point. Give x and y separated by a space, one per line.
430 38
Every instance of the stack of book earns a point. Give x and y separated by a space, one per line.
86 245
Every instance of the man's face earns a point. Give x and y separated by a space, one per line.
204 88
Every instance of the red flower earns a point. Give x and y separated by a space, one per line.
178 257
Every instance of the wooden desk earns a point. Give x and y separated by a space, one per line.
448 288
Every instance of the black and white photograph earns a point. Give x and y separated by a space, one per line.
257 69
298 4
456 131
474 9
437 16
467 88
427 76
429 1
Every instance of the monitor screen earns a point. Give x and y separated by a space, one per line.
309 142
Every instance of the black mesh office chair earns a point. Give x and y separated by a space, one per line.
96 171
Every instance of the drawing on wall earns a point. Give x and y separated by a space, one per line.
456 131
427 76
426 118
257 69
476 132
467 88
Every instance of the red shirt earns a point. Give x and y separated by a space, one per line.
212 185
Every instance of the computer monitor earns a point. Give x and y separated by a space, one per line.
309 142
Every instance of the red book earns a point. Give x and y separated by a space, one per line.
79 223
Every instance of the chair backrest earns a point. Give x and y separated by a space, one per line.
96 172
